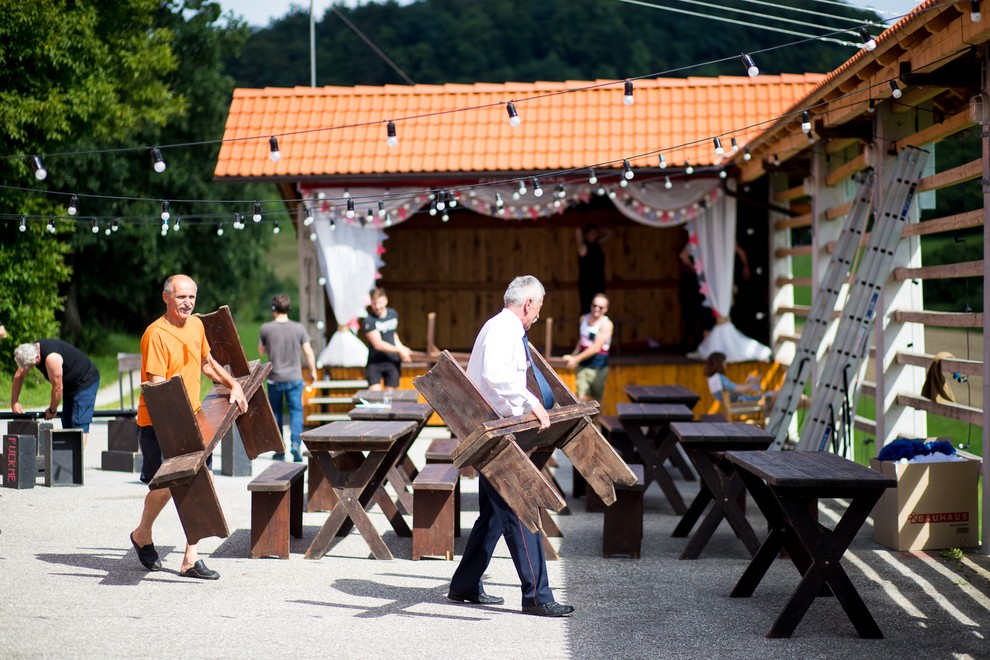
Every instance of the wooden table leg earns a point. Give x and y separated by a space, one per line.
403 489
724 489
653 457
826 548
697 506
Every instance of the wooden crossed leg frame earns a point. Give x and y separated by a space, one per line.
187 439
510 452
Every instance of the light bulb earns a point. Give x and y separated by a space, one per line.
688 168
537 188
273 153
871 107
219 229
393 139
751 69
718 147
895 91
869 43
114 226
746 154
322 281
722 174
561 192
165 214
309 218
257 212
175 224
381 209
96 226
347 193
312 236
663 163
627 171
498 200
974 11
441 200
23 226
522 187
107 231
666 183
157 161
275 229
592 179
805 121
627 94
51 225
513 115
73 205
445 217
39 169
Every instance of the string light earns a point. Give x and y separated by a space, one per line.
51 225
688 168
157 162
895 91
381 209
312 235
722 174
165 214
746 154
805 121
871 107
220 228
96 226
735 146
73 205
115 225
869 43
718 146
592 178
974 11
107 231
522 187
666 183
392 139
627 171
256 216
309 218
776 160
237 221
561 192
663 163
333 225
611 193
273 153
40 173
23 226
275 228
445 217
347 193
370 217
350 204
498 200
388 219
451 200
433 208
751 69
322 281
441 200
537 188
175 224
627 94
513 115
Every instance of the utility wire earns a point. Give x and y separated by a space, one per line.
757 14
812 12
371 44
873 9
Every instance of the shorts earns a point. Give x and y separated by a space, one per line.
151 453
591 382
77 408
376 371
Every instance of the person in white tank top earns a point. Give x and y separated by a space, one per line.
590 356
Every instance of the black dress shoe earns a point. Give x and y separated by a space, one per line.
199 570
553 608
480 599
147 555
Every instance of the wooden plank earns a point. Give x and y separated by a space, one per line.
954 411
937 132
945 224
836 212
277 477
843 172
803 220
956 175
799 250
797 192
794 281
462 406
225 343
941 272
949 365
941 319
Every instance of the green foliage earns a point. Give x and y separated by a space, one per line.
952 554
467 41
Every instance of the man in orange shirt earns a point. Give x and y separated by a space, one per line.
174 344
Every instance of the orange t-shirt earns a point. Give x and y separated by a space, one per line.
168 351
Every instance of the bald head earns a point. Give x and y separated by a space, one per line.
179 294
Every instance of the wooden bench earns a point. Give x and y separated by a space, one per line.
434 511
510 452
622 530
276 509
612 430
188 439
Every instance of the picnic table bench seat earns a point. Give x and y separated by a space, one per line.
435 511
276 509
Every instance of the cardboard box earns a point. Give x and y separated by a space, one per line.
933 506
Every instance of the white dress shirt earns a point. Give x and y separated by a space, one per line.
498 365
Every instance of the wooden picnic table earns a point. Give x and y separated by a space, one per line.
402 474
721 487
662 394
377 396
786 486
355 458
648 427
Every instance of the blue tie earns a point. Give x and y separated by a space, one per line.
545 392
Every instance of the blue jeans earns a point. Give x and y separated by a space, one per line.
77 408
291 390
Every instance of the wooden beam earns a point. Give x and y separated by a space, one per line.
937 132
795 281
942 319
796 310
955 411
945 224
957 175
836 212
865 425
949 365
797 192
843 172
941 272
780 253
803 220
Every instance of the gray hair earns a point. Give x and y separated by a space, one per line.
26 355
169 286
523 288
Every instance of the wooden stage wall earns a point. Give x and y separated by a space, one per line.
460 269
689 374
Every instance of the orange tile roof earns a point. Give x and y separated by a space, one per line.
340 131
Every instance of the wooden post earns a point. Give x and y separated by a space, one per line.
431 324
548 343
985 126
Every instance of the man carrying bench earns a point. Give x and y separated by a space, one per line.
174 344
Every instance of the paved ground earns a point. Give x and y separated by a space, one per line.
71 586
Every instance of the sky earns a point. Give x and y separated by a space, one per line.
260 12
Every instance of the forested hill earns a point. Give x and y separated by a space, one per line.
467 41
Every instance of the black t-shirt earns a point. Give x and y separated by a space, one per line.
386 327
78 371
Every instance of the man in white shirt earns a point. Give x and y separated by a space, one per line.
498 366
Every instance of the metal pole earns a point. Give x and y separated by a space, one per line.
985 157
312 46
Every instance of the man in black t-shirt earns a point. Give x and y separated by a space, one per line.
386 349
74 378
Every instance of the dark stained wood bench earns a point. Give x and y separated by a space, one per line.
276 509
786 486
622 529
612 430
510 452
188 439
434 511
